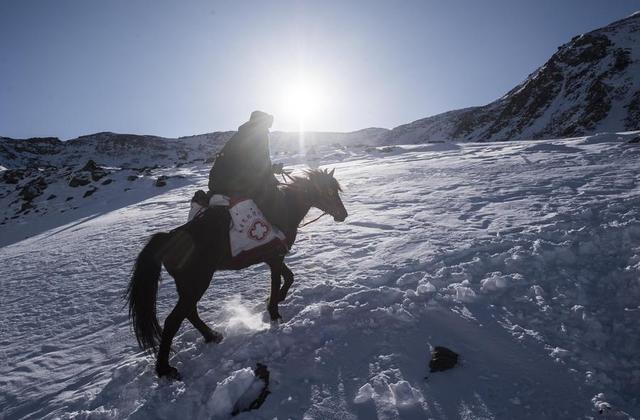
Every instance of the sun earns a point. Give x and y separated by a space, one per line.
303 101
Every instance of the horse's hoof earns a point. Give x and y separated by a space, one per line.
168 372
276 320
273 311
275 315
215 337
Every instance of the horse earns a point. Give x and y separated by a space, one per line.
193 252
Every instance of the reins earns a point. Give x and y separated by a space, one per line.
314 220
286 175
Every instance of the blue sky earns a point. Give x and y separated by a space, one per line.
172 68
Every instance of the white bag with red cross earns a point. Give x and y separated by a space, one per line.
251 236
249 228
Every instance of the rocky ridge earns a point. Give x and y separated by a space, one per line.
591 84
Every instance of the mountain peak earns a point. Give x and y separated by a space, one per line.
590 84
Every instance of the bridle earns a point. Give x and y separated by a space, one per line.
286 175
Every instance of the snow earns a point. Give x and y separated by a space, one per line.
523 257
239 386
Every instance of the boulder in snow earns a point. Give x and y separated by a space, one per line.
33 189
12 176
78 180
90 166
89 192
161 181
442 358
96 172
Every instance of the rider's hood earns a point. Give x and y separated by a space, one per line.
258 119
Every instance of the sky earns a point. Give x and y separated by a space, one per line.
176 68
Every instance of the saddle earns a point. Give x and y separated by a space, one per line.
252 238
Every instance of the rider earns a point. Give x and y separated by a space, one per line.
243 167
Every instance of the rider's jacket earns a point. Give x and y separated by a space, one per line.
243 166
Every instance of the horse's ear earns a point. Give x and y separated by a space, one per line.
332 171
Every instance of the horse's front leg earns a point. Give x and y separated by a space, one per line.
288 281
274 296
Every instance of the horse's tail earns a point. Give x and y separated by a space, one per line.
142 292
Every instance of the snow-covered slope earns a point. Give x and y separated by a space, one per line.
591 84
42 178
524 257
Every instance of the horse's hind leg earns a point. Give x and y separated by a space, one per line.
288 281
171 326
190 290
274 297
210 336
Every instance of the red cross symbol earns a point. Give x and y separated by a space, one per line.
258 230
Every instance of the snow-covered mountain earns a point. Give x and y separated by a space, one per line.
41 176
122 150
134 151
591 84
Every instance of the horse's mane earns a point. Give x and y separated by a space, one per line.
313 177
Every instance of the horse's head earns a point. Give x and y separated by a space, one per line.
325 193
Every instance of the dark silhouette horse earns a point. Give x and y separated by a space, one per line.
192 252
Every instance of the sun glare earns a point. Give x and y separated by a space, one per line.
303 100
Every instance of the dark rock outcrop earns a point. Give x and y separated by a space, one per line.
96 172
90 166
79 180
161 181
33 189
89 192
12 176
